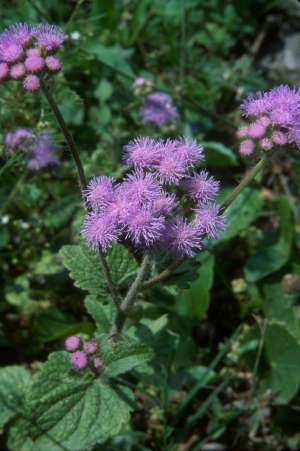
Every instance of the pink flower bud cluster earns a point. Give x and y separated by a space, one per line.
275 120
39 149
29 52
142 86
82 353
146 206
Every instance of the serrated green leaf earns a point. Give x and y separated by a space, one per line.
85 269
241 213
13 380
67 410
272 258
124 356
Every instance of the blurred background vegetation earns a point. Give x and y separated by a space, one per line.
228 355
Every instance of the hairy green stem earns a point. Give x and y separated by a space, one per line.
129 299
69 138
107 275
247 179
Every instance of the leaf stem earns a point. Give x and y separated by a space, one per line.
129 299
247 179
68 136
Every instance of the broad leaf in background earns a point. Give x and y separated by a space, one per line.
13 380
85 269
283 352
115 57
271 258
194 301
276 306
68 410
217 154
52 324
241 213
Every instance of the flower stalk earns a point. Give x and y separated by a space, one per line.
129 299
68 136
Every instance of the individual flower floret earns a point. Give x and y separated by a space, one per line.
246 147
158 108
17 71
183 238
79 360
90 347
171 168
100 192
98 362
142 152
256 130
31 83
279 138
49 36
266 144
4 71
189 150
242 131
100 231
140 186
144 228
164 204
72 343
34 63
209 220
202 187
256 104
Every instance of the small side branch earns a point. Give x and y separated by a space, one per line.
129 299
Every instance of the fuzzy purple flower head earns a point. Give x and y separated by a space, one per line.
145 207
276 120
79 360
159 109
27 53
39 149
72 343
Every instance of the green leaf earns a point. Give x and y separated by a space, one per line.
13 380
53 324
241 213
85 269
114 57
277 307
68 410
194 301
104 90
283 352
217 154
102 314
124 356
272 258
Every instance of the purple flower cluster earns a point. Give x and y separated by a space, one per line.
275 116
159 109
82 353
27 52
39 149
145 206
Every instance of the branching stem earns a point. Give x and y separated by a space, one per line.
129 299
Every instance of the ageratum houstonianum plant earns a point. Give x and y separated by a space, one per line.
165 208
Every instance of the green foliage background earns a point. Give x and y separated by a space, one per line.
213 355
